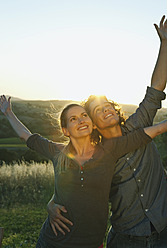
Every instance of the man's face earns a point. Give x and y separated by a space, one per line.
103 114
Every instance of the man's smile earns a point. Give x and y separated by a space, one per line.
107 116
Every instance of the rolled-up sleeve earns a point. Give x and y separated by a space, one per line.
147 109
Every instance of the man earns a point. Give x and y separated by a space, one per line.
139 190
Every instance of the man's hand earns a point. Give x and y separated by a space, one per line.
58 221
162 29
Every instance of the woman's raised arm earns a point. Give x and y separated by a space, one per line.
18 126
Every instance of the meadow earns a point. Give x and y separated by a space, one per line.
26 178
25 189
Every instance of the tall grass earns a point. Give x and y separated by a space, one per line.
25 189
26 183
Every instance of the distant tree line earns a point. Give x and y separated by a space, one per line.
10 156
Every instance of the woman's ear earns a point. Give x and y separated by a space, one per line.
94 126
65 132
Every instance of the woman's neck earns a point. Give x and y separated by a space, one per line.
82 146
84 150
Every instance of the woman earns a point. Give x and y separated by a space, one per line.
83 173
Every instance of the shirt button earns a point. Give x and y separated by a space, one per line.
142 195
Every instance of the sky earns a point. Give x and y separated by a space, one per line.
70 49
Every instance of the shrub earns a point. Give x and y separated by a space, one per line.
24 183
9 155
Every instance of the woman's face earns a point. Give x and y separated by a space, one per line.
79 124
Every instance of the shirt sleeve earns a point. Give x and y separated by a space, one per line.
147 110
42 145
120 146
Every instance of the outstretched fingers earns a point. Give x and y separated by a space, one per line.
162 21
162 29
4 104
4 99
165 25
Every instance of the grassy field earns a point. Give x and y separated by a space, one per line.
11 142
12 145
25 189
22 225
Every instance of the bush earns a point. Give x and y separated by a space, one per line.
8 155
161 143
15 154
24 183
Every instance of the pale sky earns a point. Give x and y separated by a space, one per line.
69 49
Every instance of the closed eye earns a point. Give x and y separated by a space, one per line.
98 109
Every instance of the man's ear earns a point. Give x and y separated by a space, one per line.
65 132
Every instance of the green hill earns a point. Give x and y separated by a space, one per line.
42 117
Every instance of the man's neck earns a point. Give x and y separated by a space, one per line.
111 132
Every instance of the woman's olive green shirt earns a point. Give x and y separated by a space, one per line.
85 192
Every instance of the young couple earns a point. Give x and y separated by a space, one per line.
138 190
88 170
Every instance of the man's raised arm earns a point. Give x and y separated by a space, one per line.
159 76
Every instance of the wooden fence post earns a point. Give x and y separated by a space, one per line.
1 235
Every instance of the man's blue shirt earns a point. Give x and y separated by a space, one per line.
139 189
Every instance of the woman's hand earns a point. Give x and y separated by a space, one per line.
5 105
21 130
58 221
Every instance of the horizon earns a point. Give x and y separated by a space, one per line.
15 99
